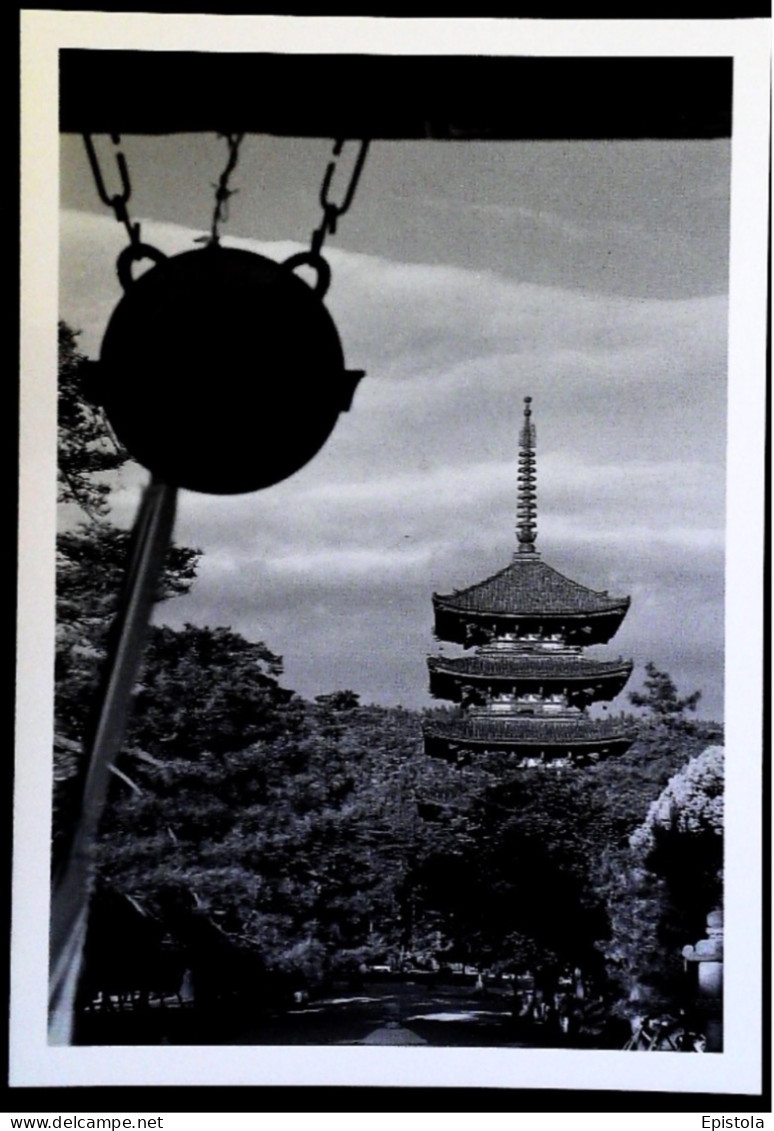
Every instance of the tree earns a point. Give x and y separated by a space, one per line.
628 783
671 877
339 700
90 567
91 555
298 841
86 444
91 558
660 698
206 690
515 885
691 806
229 786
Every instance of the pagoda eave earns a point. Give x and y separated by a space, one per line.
470 628
544 741
591 683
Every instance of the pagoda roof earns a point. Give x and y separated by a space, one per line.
584 680
527 734
505 665
529 588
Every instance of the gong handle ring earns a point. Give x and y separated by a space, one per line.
317 263
133 254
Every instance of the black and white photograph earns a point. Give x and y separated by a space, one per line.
391 561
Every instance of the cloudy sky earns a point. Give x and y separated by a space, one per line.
591 276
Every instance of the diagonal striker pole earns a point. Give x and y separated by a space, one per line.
151 538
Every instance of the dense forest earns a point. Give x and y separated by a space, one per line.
321 839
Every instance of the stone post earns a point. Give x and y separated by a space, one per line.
707 955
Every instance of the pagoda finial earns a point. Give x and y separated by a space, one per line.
526 508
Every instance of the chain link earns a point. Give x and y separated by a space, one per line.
118 201
331 210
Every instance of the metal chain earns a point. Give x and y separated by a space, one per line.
331 210
136 250
118 201
222 192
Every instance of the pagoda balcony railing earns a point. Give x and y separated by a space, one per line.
554 645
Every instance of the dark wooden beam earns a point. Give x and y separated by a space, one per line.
394 97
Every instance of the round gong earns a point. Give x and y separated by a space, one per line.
221 371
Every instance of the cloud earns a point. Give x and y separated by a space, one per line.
444 316
438 316
415 491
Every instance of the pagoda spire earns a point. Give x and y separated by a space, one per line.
526 507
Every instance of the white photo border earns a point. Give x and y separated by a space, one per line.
737 1070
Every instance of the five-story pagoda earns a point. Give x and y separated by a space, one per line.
526 688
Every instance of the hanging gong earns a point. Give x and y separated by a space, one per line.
221 371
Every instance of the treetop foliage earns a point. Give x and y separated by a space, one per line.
206 689
86 445
660 696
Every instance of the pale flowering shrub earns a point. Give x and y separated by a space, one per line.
672 876
690 804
